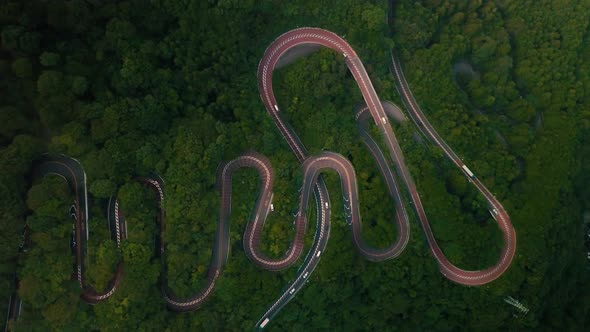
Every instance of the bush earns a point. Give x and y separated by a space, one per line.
22 68
49 59
79 85
50 83
10 36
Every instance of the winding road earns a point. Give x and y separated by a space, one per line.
471 278
71 170
313 185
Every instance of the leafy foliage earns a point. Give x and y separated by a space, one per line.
169 86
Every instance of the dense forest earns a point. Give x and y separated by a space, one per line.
169 86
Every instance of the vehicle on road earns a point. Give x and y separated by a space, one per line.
313 187
468 171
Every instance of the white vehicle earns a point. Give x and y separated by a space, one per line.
276 108
468 171
326 204
292 291
384 120
589 255
264 322
305 275
492 214
495 211
319 253
272 207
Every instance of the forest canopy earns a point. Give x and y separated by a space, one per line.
169 86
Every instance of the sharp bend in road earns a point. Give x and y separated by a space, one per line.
73 173
328 39
266 67
472 278
252 233
71 170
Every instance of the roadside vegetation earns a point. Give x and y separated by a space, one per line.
169 86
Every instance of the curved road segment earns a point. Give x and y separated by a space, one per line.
328 39
71 170
73 173
471 278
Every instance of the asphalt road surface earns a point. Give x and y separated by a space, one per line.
73 173
375 110
266 67
472 278
71 170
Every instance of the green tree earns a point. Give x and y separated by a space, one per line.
22 68
49 59
50 83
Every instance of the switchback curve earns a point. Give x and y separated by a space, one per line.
312 183
330 40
